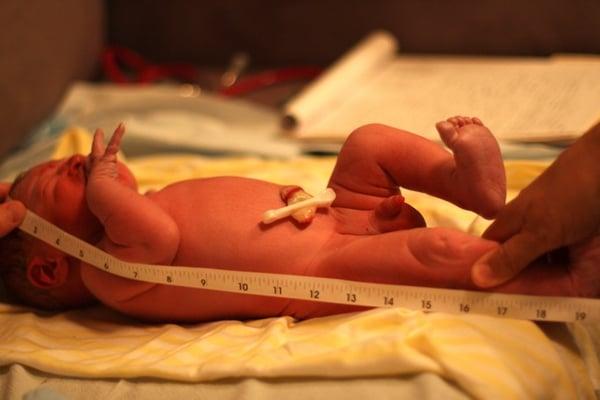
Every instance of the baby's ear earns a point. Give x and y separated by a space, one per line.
47 272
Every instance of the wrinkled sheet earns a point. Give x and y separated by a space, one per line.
17 381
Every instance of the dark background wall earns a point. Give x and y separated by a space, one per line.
45 45
277 32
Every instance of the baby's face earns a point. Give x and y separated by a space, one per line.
55 190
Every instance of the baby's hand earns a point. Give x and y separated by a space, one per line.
102 161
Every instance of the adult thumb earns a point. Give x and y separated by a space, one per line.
11 215
505 262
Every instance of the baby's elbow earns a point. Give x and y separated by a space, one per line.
163 246
172 237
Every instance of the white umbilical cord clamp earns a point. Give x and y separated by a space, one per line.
321 200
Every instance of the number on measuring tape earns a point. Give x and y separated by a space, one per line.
502 310
314 294
464 308
388 301
351 297
106 266
426 304
242 286
277 290
579 315
203 282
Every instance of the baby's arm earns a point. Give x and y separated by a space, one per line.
377 159
136 228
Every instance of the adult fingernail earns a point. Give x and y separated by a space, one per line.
483 276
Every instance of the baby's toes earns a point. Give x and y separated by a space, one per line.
447 131
454 121
468 137
452 127
459 121
462 121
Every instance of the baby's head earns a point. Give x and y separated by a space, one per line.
34 272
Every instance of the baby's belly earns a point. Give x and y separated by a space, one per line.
220 227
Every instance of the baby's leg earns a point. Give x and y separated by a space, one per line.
423 256
433 257
377 159
478 172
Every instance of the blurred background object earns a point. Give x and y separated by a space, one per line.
45 46
280 33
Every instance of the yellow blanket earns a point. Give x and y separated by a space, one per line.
485 357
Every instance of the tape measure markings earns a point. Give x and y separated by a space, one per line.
541 308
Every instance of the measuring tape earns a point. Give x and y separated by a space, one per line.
539 308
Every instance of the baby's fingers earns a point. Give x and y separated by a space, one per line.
98 144
115 141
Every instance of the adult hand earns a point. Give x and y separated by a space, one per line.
561 208
11 212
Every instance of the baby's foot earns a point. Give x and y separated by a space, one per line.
479 171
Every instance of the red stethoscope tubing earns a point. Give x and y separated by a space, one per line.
116 60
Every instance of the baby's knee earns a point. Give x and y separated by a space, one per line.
368 134
369 129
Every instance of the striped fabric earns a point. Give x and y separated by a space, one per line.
486 357
483 356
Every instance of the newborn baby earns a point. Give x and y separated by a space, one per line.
368 234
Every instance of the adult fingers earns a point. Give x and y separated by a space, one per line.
11 215
585 267
508 222
502 264
4 189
